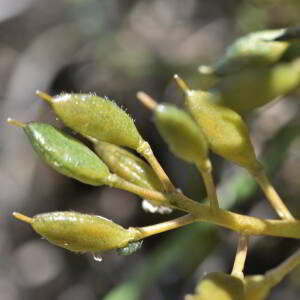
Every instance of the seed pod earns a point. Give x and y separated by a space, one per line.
256 287
184 137
225 130
219 286
255 49
65 154
128 166
97 117
80 232
133 169
255 87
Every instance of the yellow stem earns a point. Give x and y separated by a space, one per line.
22 218
15 123
274 276
243 224
145 150
209 185
148 101
273 196
44 96
144 232
240 257
181 83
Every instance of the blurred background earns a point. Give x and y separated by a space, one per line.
115 48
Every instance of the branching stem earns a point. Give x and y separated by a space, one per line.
240 258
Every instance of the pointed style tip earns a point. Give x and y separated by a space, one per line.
22 217
181 83
148 101
44 96
15 123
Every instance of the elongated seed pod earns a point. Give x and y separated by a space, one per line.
225 130
128 166
96 117
81 232
219 286
65 154
255 87
182 134
255 49
133 169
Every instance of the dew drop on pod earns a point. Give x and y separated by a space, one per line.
219 286
64 153
80 232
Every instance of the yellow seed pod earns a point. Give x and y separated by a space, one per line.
225 129
256 287
128 166
183 136
254 87
79 232
219 286
96 117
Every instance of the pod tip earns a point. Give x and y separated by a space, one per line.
181 83
22 218
148 101
15 123
46 97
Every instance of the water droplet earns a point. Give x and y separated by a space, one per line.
97 256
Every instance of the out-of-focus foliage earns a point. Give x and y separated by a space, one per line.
115 48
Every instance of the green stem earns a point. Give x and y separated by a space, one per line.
144 232
236 222
240 258
273 196
145 150
209 184
274 276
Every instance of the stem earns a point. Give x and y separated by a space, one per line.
15 123
240 258
46 97
144 232
273 196
243 224
274 276
22 218
145 150
209 185
148 101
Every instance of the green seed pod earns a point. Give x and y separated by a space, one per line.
128 166
80 232
65 154
255 87
133 169
219 286
225 130
96 117
256 287
255 49
130 248
184 137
